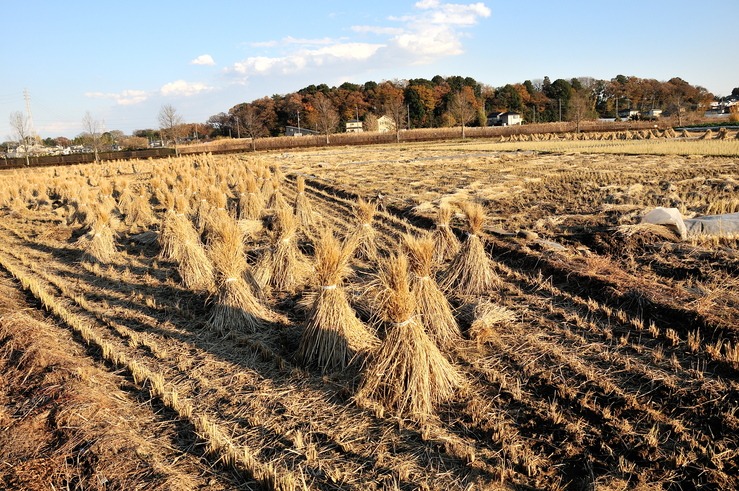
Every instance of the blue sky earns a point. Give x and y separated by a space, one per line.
121 61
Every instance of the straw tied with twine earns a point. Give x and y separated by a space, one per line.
333 336
407 373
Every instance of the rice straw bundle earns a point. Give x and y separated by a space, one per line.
364 235
407 373
79 212
333 334
125 195
176 205
446 244
471 271
105 197
276 199
139 212
251 203
303 208
264 179
236 304
431 304
194 265
488 316
98 243
283 266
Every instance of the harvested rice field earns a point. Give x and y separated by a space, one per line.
459 315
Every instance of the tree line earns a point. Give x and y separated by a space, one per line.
457 101
414 103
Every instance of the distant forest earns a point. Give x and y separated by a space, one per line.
423 103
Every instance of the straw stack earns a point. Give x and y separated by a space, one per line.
471 271
432 305
365 235
446 244
236 305
407 374
333 335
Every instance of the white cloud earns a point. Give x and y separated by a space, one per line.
183 88
203 60
123 98
432 31
334 54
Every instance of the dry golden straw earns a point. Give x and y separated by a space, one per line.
333 334
251 202
283 266
236 305
365 235
446 244
194 265
303 208
471 271
431 303
98 243
407 373
488 319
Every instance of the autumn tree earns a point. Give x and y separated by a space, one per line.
327 119
251 120
393 105
170 123
580 107
21 132
421 101
462 107
92 135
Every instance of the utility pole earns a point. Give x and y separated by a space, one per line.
560 109
408 113
299 133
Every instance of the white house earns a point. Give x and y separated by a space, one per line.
385 124
508 118
354 126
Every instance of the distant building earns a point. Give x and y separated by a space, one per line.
354 126
628 114
385 124
295 131
653 113
508 118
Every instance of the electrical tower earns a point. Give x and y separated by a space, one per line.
31 128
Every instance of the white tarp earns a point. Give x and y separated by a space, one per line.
717 225
669 217
714 225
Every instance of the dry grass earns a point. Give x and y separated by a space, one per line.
364 234
303 209
489 320
283 266
98 244
236 306
446 244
